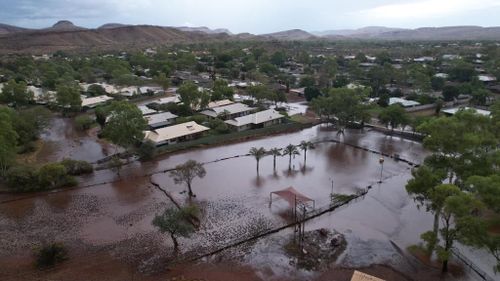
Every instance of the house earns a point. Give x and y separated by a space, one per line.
256 120
93 102
403 102
299 92
146 110
172 99
486 78
128 91
229 111
423 59
441 75
149 90
360 276
219 103
453 111
159 120
176 133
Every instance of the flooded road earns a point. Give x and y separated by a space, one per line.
115 218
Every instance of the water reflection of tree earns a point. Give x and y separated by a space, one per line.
258 181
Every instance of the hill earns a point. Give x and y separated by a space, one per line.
290 35
7 29
139 36
203 29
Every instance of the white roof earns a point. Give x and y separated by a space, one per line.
441 75
176 131
37 92
92 101
423 59
403 102
146 89
255 118
454 110
486 78
218 103
233 108
159 117
146 110
174 99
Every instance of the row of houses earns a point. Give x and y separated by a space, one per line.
239 117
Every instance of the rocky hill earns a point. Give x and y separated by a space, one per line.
290 35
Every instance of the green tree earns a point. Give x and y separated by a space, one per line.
187 172
68 97
304 146
16 93
257 153
394 116
222 91
189 94
147 150
290 150
126 125
8 140
176 223
311 93
95 90
162 80
54 175
275 152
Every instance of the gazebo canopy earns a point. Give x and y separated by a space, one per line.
292 196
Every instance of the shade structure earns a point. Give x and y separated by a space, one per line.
292 196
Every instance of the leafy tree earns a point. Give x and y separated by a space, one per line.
260 92
311 93
29 124
68 96
487 189
462 71
163 81
394 116
257 153
83 122
222 91
307 81
95 90
176 223
8 140
54 175
304 146
77 167
450 92
456 217
146 150
343 105
437 83
187 172
22 178
480 96
189 95
290 150
278 58
16 93
275 152
125 125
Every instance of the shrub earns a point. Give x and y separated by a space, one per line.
83 122
146 150
50 255
76 167
54 175
22 178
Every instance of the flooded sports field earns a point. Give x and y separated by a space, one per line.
106 222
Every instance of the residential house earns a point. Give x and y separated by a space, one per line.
176 133
159 120
453 111
404 103
256 120
93 102
146 110
229 111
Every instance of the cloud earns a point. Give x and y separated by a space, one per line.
427 9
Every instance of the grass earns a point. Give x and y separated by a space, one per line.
231 137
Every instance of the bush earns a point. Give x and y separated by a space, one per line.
146 150
22 178
54 175
50 255
200 119
83 122
76 168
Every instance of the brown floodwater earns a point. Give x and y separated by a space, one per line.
115 218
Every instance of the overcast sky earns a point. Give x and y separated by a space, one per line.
255 16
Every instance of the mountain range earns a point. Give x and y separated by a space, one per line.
64 35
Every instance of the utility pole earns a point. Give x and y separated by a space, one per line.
381 161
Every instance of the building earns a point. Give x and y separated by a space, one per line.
93 102
453 111
146 110
229 111
360 276
424 59
299 91
256 120
160 119
403 102
174 134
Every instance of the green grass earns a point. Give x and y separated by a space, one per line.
231 137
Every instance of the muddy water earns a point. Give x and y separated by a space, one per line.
116 218
62 140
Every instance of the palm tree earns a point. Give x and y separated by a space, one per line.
258 153
275 152
290 150
305 145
